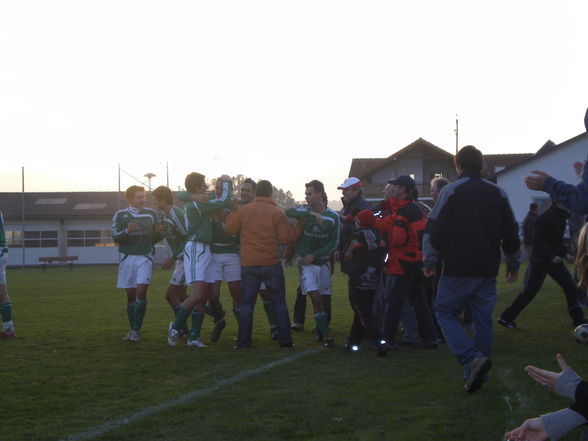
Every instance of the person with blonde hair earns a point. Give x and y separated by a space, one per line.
581 262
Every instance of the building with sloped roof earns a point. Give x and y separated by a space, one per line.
554 159
59 224
423 161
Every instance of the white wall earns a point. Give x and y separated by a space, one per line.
557 163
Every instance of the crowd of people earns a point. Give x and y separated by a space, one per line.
432 269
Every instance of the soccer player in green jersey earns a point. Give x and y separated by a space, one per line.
174 229
5 305
197 255
319 238
136 229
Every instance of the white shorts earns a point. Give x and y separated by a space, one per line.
178 277
198 263
226 267
133 271
315 278
3 263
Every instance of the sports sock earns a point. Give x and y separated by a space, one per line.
197 319
6 311
181 317
321 322
131 314
269 311
217 312
140 308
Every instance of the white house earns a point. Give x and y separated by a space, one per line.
554 159
62 224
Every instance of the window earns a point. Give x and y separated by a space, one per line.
89 238
32 239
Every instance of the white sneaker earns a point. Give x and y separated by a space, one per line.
135 336
172 335
129 336
195 342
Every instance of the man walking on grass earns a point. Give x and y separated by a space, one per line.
136 230
471 221
319 238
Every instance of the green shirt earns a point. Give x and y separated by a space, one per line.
197 214
139 242
3 245
318 239
174 230
223 243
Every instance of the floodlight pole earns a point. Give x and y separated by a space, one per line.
149 176
22 227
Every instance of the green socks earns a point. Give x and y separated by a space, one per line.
181 318
197 319
6 311
140 308
216 312
131 314
321 322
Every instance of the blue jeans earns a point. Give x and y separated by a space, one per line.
251 278
453 294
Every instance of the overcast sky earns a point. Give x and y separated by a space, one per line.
283 90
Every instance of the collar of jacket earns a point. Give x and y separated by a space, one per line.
470 174
264 199
393 204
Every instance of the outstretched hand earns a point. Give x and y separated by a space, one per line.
547 378
530 430
536 180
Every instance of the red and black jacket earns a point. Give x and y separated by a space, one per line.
404 224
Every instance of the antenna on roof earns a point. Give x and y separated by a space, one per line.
456 133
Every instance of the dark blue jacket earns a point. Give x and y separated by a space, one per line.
471 221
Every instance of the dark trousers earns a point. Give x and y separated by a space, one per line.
251 278
299 315
364 323
397 289
560 274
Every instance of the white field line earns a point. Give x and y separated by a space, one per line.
183 399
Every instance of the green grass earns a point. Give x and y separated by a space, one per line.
69 371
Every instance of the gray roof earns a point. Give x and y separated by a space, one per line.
62 204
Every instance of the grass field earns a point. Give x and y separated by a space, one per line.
69 374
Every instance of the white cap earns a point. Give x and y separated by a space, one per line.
350 182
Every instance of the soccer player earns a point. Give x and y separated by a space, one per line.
248 188
197 255
320 237
175 232
226 266
136 229
5 305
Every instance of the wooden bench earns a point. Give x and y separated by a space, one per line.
69 260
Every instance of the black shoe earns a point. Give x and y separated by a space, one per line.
297 327
507 324
218 328
287 345
383 348
329 342
478 369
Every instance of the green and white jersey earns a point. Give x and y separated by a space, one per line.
3 245
175 231
197 214
223 243
139 242
318 239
